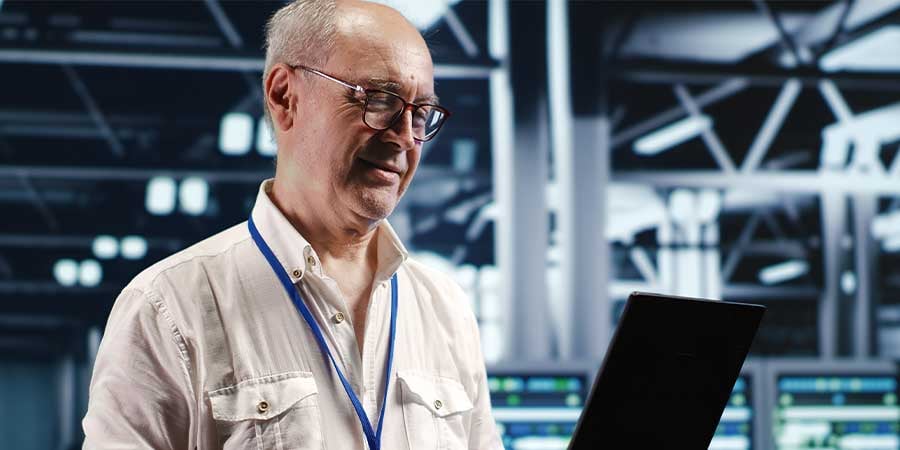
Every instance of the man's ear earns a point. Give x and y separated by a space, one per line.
279 97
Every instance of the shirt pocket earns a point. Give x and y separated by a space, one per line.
435 411
273 412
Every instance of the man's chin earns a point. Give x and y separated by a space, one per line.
376 205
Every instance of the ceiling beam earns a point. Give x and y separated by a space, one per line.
222 63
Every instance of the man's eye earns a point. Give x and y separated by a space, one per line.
381 105
420 117
381 97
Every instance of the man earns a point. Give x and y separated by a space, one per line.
307 326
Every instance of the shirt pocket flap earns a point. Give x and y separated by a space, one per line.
442 396
261 398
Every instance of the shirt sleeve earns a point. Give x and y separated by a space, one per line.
140 393
483 432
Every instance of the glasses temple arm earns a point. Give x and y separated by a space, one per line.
355 87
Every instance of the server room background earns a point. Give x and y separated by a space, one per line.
744 150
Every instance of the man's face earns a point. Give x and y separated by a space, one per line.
357 170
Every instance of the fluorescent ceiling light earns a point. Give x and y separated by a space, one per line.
848 282
105 247
66 272
887 224
235 134
891 244
707 36
635 207
193 195
709 203
878 51
683 205
465 154
265 143
160 199
134 247
90 273
672 135
782 272
422 14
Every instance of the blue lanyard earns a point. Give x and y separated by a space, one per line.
373 438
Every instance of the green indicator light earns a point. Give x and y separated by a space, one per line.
514 400
834 384
785 400
561 384
821 384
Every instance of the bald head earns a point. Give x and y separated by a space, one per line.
304 32
348 172
358 15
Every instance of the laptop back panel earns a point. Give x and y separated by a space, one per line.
668 374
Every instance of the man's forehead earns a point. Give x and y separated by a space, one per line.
394 85
380 49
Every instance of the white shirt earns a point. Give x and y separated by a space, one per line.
205 350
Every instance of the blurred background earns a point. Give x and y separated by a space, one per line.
740 150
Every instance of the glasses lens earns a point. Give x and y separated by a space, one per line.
381 109
427 121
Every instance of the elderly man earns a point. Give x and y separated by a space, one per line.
308 326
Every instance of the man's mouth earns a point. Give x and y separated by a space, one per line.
384 170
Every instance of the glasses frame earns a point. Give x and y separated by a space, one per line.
365 93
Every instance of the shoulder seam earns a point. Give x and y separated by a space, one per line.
151 281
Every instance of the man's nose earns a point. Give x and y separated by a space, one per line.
401 133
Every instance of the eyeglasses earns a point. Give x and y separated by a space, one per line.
383 109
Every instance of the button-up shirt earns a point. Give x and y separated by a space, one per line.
205 350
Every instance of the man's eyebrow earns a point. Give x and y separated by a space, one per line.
384 84
393 86
429 99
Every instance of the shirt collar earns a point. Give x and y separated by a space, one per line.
295 253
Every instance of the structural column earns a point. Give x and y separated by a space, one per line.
867 294
583 170
834 226
520 182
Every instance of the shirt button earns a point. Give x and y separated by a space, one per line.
311 260
296 273
438 404
262 407
338 318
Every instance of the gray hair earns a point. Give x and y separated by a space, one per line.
301 32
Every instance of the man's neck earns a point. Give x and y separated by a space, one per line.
348 252
336 242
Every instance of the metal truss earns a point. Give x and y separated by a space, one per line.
220 63
841 190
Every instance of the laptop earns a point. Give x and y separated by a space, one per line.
667 375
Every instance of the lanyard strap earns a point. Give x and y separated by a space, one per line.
373 438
